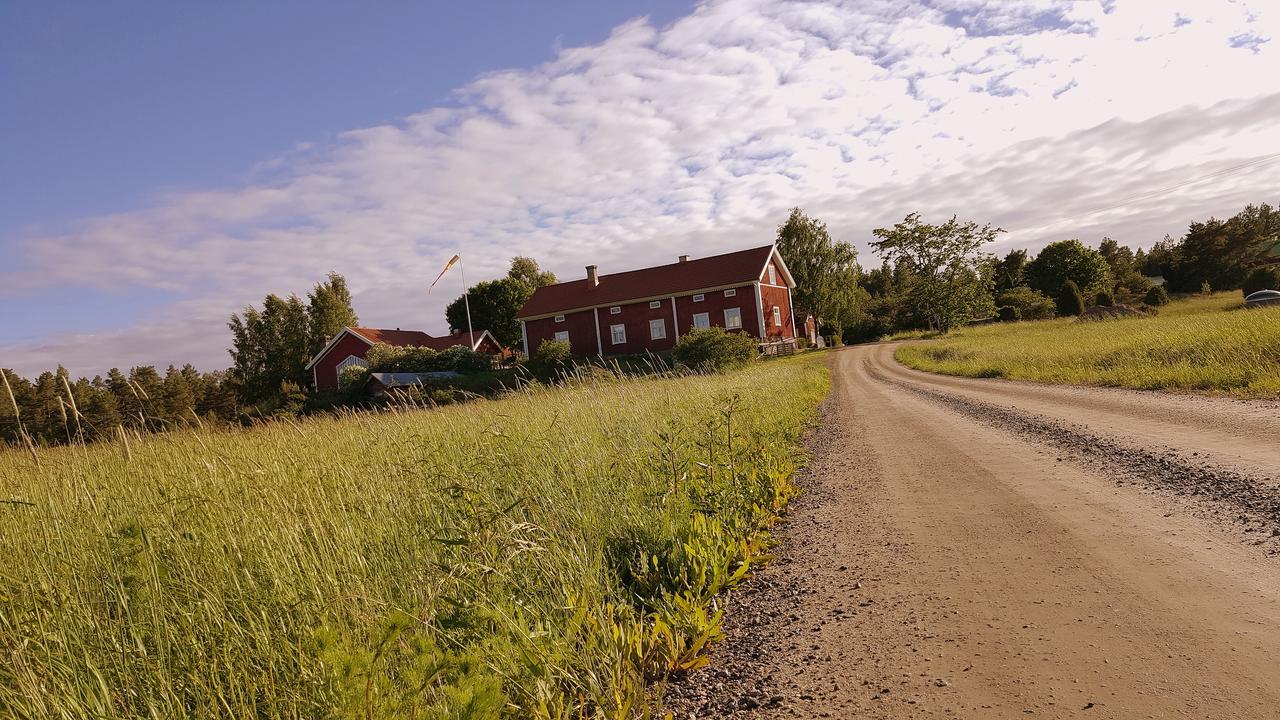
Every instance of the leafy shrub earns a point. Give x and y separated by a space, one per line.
551 357
465 360
1070 302
1104 299
1156 296
352 376
714 349
1031 304
389 358
1263 278
1009 313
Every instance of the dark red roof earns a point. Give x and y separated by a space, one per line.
402 338
467 340
743 266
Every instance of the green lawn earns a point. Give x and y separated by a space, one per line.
1203 344
545 555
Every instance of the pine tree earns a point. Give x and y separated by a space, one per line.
1070 301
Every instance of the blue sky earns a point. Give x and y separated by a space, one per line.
164 164
111 104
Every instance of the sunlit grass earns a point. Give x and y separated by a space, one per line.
543 555
1204 344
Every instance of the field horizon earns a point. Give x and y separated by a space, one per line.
1202 344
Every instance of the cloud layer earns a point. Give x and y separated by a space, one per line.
1053 119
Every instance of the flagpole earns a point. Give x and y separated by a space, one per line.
466 301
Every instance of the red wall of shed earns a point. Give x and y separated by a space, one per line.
326 371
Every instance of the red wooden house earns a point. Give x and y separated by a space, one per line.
747 291
349 346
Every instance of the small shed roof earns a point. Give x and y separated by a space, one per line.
403 379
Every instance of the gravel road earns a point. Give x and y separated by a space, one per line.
989 549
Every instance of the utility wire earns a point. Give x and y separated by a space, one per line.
1224 172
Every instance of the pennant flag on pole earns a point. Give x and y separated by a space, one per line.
451 263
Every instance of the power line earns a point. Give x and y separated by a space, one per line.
1224 172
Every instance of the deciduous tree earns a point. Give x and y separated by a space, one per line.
951 275
494 303
825 270
1069 260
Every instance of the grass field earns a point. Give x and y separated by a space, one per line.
1203 344
550 554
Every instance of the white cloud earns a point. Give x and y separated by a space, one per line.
698 137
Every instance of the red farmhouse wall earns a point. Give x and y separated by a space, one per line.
635 317
580 326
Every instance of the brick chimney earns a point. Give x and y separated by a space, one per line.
684 258
593 278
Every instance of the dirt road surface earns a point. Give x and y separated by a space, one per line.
987 549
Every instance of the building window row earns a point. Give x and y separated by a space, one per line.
657 327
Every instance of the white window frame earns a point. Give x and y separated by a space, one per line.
773 275
660 326
559 318
618 334
562 335
655 304
699 297
615 310
352 361
737 314
777 316
731 292
706 320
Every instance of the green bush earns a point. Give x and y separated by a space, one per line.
352 376
551 358
460 359
1104 299
714 349
1009 313
1070 302
1263 278
1156 296
1031 304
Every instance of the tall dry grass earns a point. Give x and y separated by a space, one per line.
1203 344
550 554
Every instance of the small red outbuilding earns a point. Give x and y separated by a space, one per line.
349 346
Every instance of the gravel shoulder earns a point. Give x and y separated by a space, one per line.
985 549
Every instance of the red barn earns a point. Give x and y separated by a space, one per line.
349 346
747 291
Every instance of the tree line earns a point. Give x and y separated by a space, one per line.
271 345
938 276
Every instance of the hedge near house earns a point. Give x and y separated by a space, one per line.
714 349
